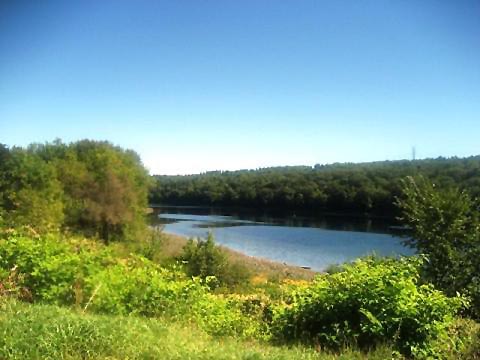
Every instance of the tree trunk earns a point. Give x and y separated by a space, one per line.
105 233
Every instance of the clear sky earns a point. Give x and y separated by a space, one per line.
205 85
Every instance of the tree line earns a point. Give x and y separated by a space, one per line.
92 187
367 188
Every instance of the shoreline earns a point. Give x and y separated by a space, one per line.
300 213
173 245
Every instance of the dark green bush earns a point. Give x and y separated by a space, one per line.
236 275
445 226
367 303
203 258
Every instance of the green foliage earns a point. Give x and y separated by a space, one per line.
472 348
445 225
141 287
49 332
344 188
11 285
366 303
204 259
30 193
105 187
237 275
91 187
462 341
226 316
150 245
74 272
49 268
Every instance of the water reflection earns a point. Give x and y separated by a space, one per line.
302 241
242 216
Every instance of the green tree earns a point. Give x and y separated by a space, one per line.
203 258
30 194
112 190
349 188
89 186
445 225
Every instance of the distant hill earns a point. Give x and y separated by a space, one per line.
364 188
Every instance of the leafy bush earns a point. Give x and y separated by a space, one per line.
365 304
140 287
49 268
144 288
472 352
10 285
204 259
222 316
462 340
81 272
445 225
150 245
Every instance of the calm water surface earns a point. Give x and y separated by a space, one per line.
303 241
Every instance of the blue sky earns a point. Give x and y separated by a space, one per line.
205 85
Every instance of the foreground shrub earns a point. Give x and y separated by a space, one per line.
365 304
75 271
462 340
33 331
138 286
49 268
472 352
222 316
143 288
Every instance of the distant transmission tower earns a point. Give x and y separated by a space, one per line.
414 153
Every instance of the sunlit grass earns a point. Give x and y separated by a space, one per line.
50 332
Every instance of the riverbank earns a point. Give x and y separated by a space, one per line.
261 268
313 243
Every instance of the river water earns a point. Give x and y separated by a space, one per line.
314 242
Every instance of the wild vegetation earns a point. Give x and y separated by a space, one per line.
445 225
78 283
88 186
50 332
364 306
369 188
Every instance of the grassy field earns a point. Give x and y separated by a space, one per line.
49 332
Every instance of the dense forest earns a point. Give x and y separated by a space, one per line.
367 188
92 187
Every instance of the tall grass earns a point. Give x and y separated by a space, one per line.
50 332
